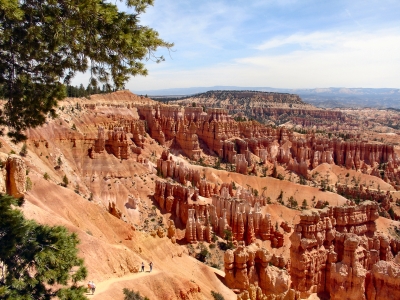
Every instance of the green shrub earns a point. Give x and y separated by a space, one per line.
46 176
202 256
274 172
292 202
225 246
217 296
28 184
280 198
132 295
227 235
215 238
24 150
76 189
65 181
21 201
217 164
304 205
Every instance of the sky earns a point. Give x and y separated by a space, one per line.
280 44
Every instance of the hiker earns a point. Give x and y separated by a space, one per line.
91 286
142 267
151 266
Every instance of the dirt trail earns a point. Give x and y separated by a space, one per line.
103 286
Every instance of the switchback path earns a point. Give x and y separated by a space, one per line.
103 286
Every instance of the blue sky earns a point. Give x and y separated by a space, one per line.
281 44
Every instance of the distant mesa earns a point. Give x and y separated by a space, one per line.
330 97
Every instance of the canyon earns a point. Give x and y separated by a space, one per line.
277 212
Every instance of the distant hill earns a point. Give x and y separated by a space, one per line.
351 97
320 97
222 98
239 100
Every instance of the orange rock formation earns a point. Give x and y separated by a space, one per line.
245 266
240 213
334 250
235 142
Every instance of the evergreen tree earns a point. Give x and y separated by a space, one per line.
65 181
36 261
24 150
227 235
274 172
304 205
217 296
280 198
132 295
44 43
292 202
82 91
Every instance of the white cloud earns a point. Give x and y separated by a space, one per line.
277 43
208 23
357 59
313 40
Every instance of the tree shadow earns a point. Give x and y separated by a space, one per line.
128 205
222 279
323 295
155 203
182 242
177 222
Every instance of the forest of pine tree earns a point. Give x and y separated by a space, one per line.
75 91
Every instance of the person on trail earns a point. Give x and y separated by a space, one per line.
142 267
151 266
91 286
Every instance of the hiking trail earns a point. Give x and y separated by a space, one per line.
103 286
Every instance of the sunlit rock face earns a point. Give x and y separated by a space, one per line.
337 249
